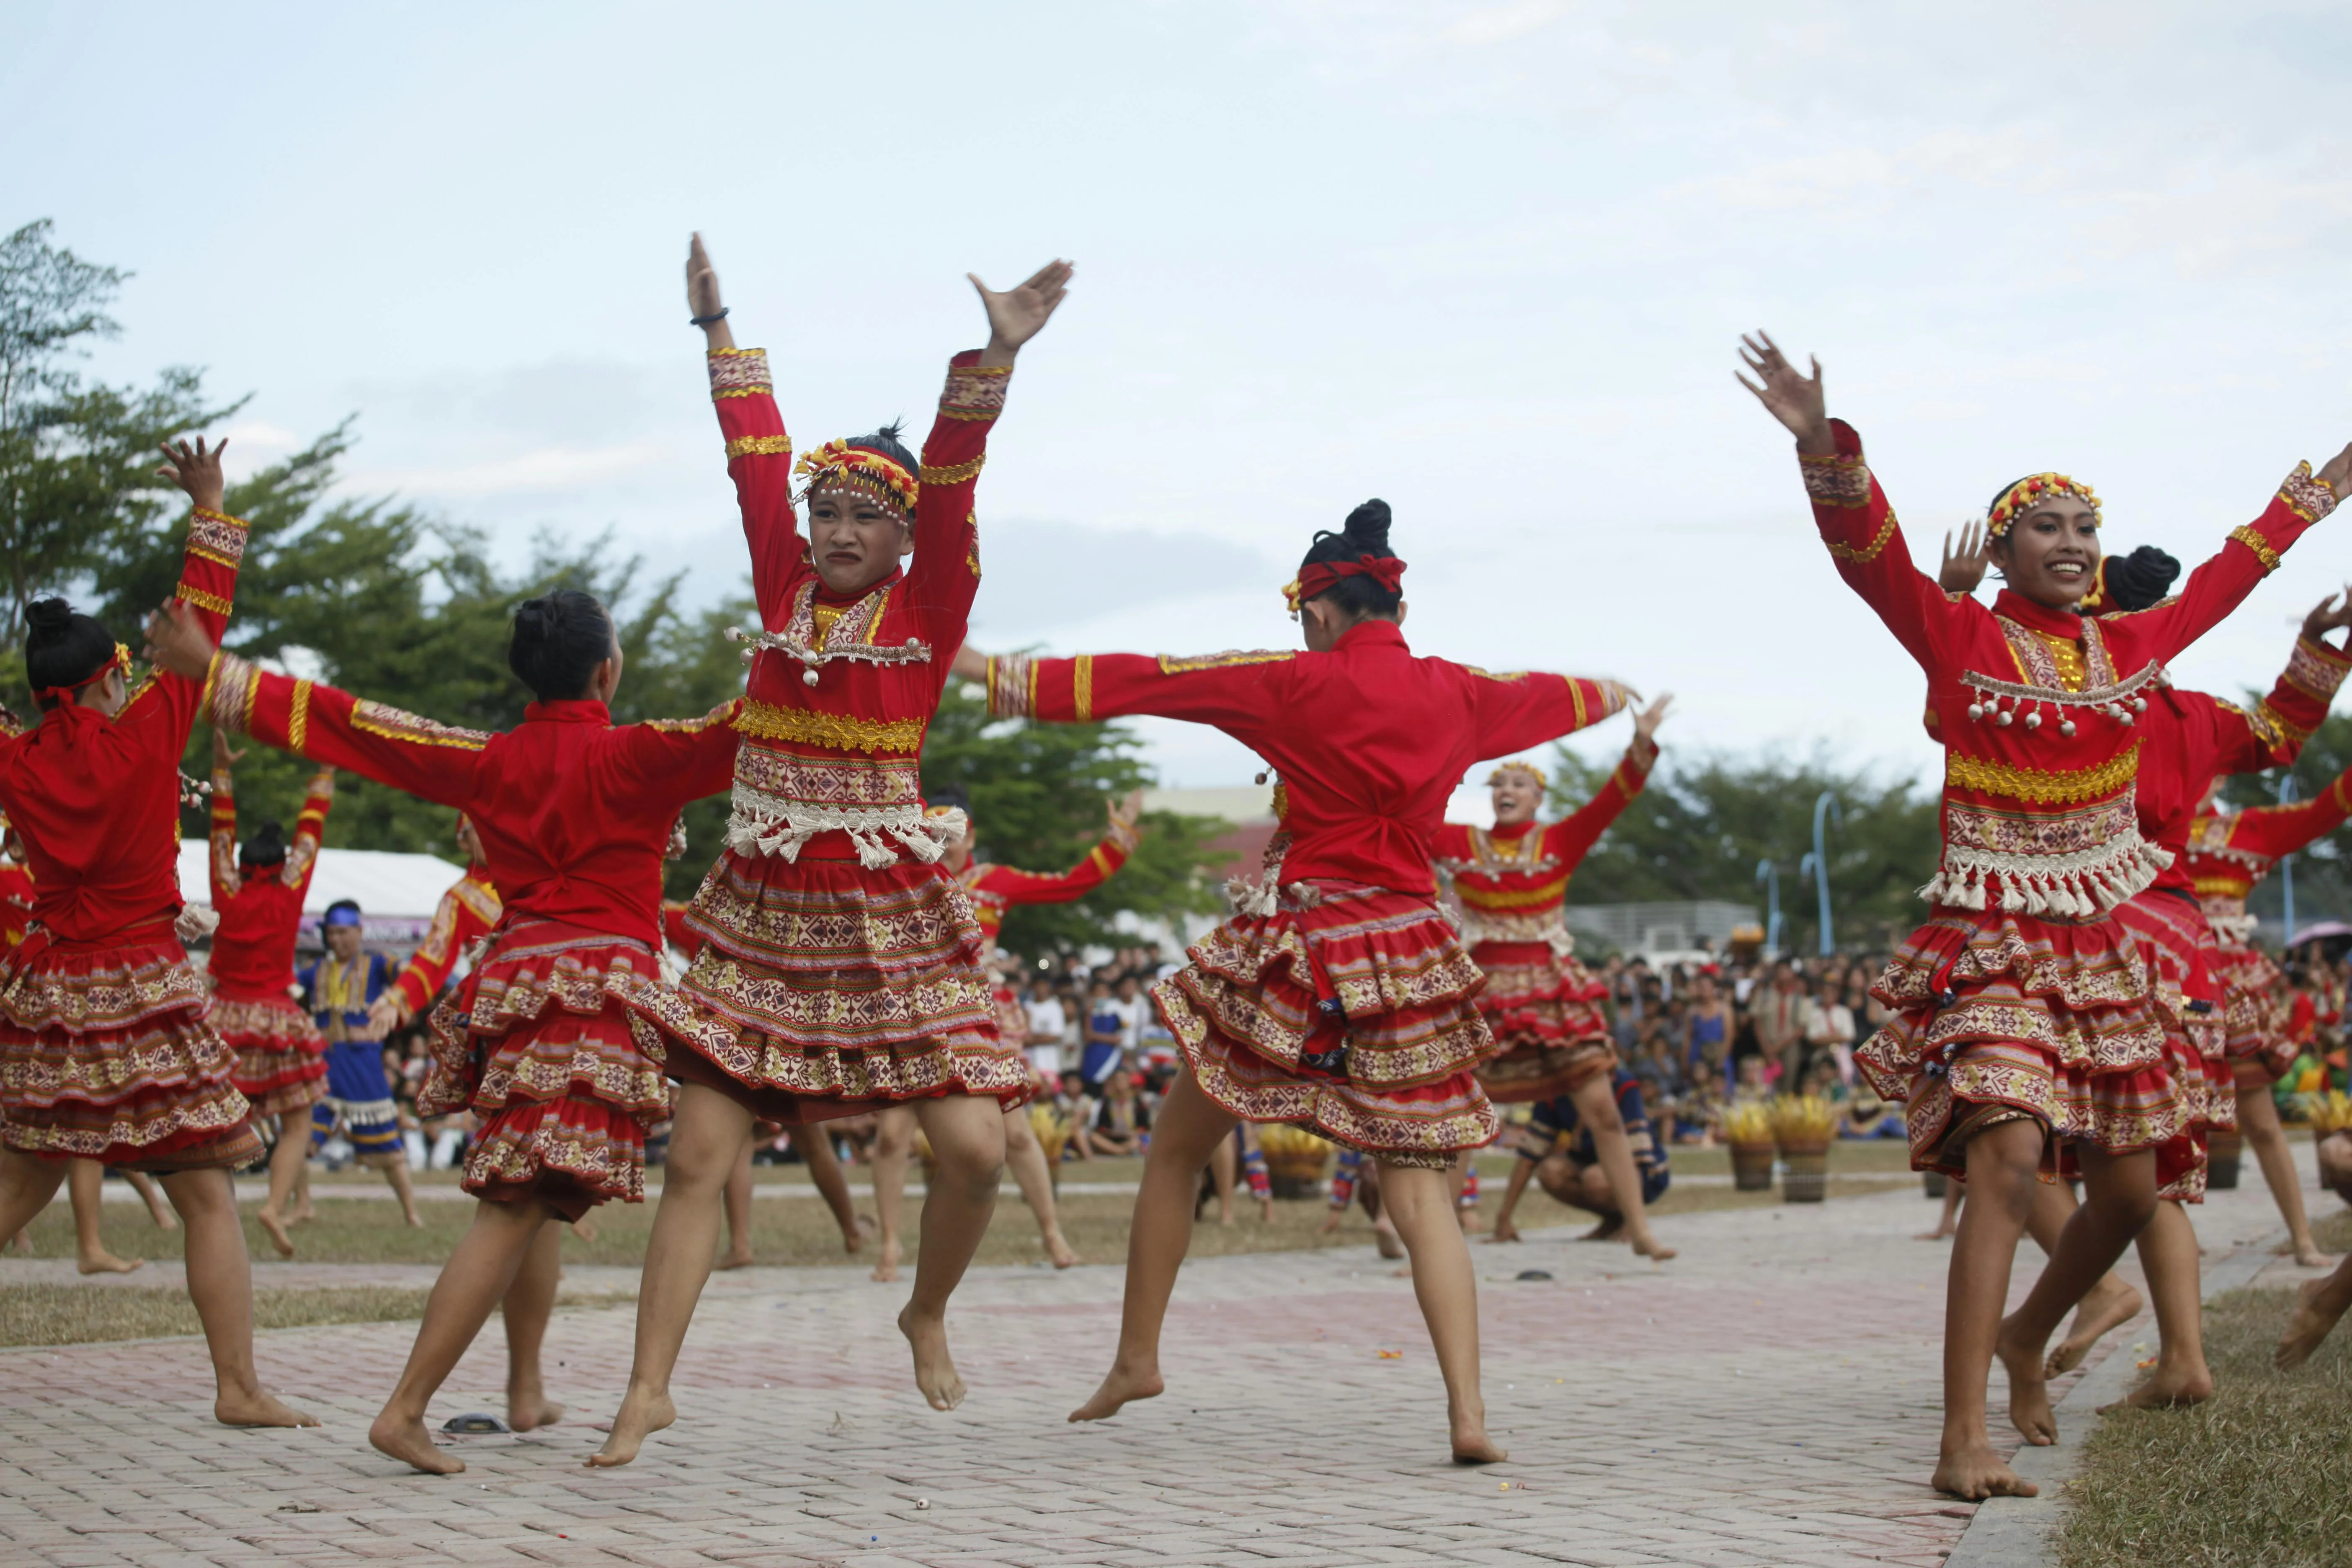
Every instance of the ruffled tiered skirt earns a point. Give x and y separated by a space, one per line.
282 1057
545 1044
824 988
2253 1012
2180 952
1544 1008
1351 1012
106 1054
1999 1015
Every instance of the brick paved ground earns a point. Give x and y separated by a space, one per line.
1767 1398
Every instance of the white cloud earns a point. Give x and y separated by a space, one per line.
546 469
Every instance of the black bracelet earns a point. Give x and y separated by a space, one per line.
716 316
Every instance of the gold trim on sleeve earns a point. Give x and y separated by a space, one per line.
759 447
2245 534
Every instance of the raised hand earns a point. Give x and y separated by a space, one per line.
1128 812
1019 314
177 641
223 757
2328 616
1795 400
386 1013
2338 473
702 296
195 470
1964 568
1646 723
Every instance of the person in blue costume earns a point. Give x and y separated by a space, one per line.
338 989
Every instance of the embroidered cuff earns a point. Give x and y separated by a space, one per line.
229 694
2315 669
1839 480
738 373
1012 686
2306 495
974 391
216 536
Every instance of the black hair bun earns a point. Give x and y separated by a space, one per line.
1368 528
2141 579
48 616
266 848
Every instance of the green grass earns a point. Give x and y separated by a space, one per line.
2260 1473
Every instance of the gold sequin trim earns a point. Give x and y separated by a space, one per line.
840 731
759 445
1868 552
297 716
203 600
1082 686
2038 787
2244 534
953 474
1170 665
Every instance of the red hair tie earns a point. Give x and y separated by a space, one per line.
1321 576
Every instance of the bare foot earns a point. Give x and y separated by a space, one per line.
2168 1390
1609 1229
105 1262
1266 1211
1120 1386
935 1372
886 1268
1473 1222
529 1410
304 1213
2316 1317
1650 1247
277 1229
164 1218
1975 1472
853 1236
741 1257
406 1439
415 1220
1385 1237
2029 1397
2110 1305
256 1409
1471 1443
582 1228
640 1416
1941 1233
1057 1247
2308 1256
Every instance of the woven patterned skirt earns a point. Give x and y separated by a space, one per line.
1544 1008
2180 950
106 1054
282 1057
545 1044
2254 1011
2000 1016
1352 1013
824 988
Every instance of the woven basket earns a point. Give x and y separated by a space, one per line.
1804 1173
1296 1161
1751 1167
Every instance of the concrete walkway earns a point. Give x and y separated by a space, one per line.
1770 1397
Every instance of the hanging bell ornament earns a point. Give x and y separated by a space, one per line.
2033 719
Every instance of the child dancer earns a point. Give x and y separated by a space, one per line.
840 969
105 1052
574 814
2022 1031
1340 998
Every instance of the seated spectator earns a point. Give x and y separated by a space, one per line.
1867 1116
1700 1115
1075 1108
1121 1119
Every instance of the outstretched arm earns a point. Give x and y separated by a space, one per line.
759 452
1573 837
1237 692
216 546
1102 862
309 829
2250 553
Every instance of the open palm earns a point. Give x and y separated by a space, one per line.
1019 313
1795 399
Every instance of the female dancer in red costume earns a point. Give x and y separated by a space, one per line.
467 913
281 1061
1551 1035
2229 853
574 814
2022 1029
1338 999
840 970
105 1052
995 891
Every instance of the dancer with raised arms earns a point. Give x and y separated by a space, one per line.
2023 1034
840 969
573 814
1338 997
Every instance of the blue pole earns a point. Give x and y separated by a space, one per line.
1769 874
1825 810
2287 867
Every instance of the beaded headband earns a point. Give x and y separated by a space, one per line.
838 465
2031 491
1517 767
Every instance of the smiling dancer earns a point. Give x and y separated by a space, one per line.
841 967
105 1052
1338 999
2023 1034
572 814
1551 1035
995 891
257 890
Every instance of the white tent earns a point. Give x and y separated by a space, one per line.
396 893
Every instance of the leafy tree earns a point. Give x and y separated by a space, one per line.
1704 822
1038 793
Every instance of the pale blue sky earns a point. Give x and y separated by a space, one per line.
1487 260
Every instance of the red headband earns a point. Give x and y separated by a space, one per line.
121 661
1318 577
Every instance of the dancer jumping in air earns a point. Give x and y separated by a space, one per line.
1338 999
258 891
995 891
1552 1034
841 966
105 1051
574 814
2024 1035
